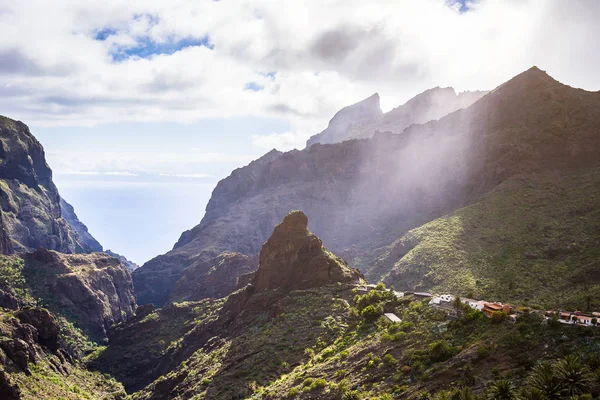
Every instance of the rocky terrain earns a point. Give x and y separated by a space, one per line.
29 200
68 213
315 335
498 199
292 262
94 290
294 259
34 362
46 263
131 266
364 119
41 348
363 195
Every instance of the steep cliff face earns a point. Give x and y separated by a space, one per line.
68 213
94 291
214 278
427 106
362 195
29 200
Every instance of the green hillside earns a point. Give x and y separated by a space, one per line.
534 239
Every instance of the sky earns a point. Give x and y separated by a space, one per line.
143 106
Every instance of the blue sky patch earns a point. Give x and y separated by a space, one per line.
254 86
146 47
103 34
271 75
463 5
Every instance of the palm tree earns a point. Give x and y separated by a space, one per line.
502 390
543 379
533 394
458 305
575 377
465 394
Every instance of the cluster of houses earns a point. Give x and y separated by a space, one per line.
446 302
575 317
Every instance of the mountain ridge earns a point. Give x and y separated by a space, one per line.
364 194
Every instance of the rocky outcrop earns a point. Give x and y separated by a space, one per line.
35 362
131 266
29 201
23 335
363 120
365 194
293 258
95 291
293 264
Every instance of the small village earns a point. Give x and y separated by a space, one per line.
447 303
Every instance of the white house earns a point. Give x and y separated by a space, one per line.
392 317
447 298
474 304
435 301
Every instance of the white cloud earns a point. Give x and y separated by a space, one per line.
184 164
192 176
326 54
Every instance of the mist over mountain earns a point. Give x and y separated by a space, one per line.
496 198
364 119
362 195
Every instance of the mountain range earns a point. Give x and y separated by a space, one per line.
486 195
366 196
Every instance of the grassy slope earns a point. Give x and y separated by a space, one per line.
77 384
533 240
312 344
275 341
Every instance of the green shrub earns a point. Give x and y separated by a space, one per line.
498 317
440 351
482 352
293 392
390 360
370 313
340 373
351 395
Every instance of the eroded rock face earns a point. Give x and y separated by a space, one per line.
23 335
214 278
94 290
29 201
294 258
68 213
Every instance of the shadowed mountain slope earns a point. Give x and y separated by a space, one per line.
365 194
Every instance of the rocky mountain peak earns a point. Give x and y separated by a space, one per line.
530 82
294 258
366 108
363 112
